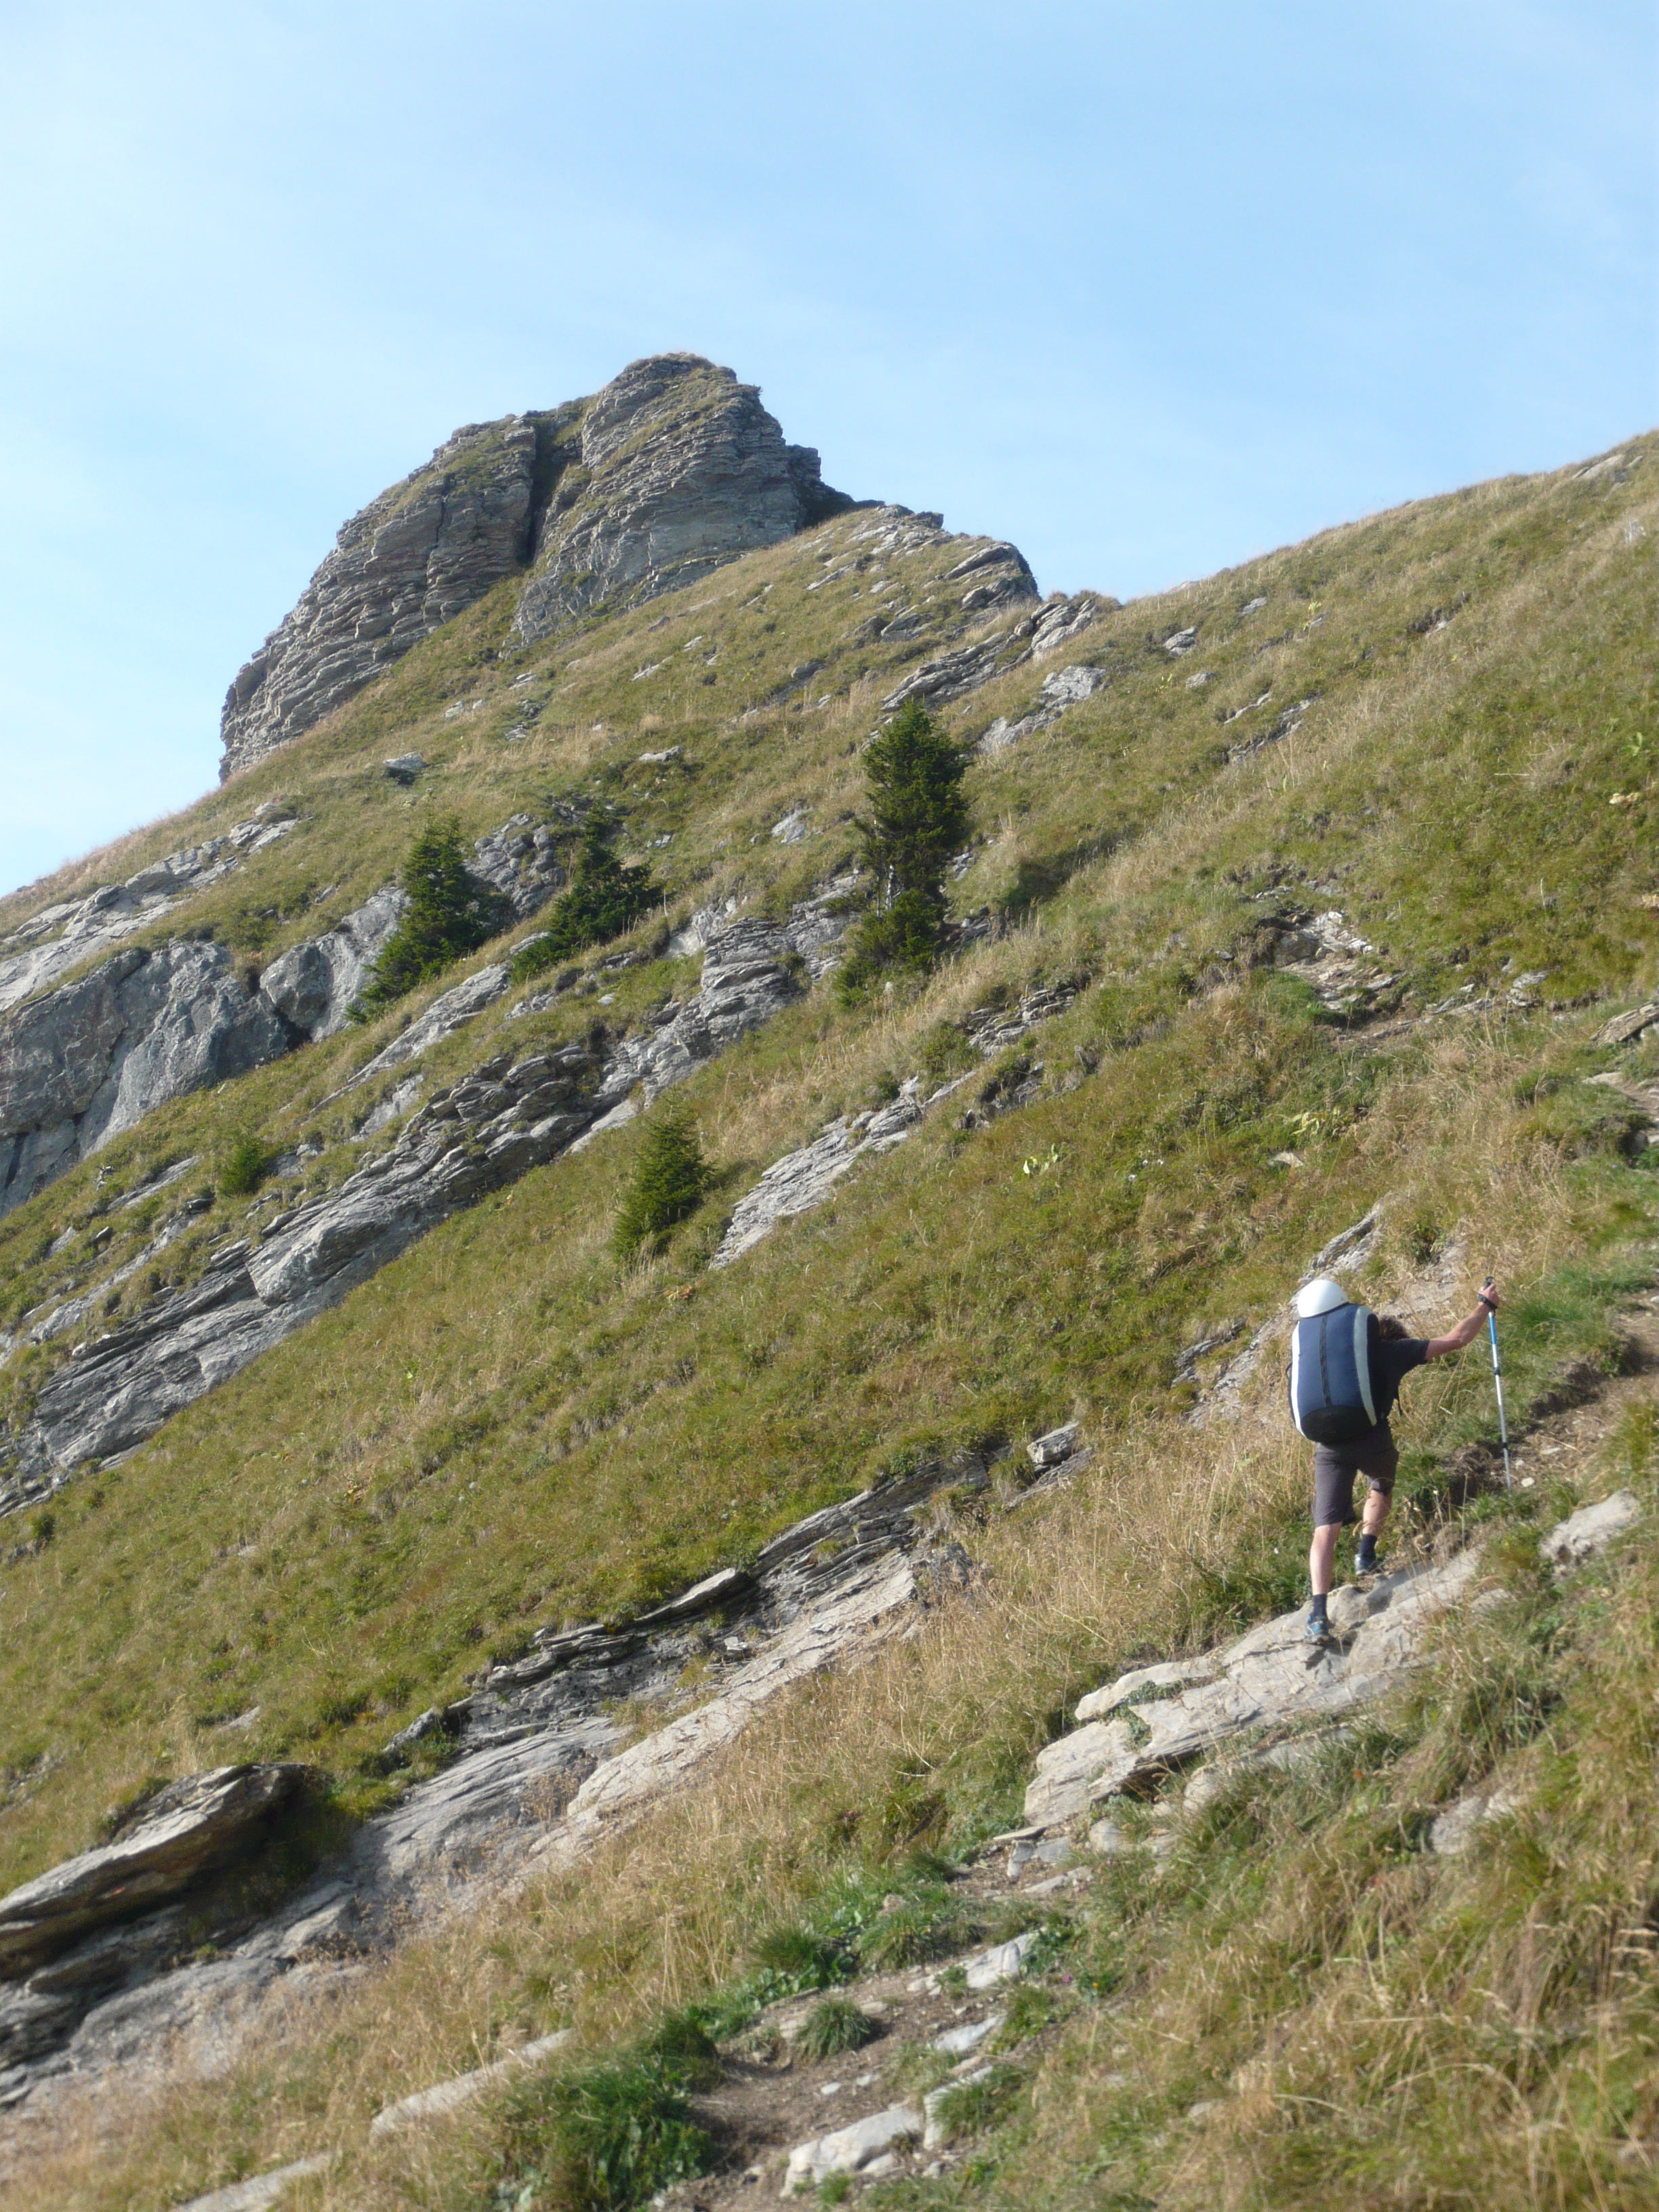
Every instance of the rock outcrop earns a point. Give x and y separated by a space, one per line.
508 1116
312 985
183 1831
1059 622
681 470
672 470
541 1730
1236 1706
90 1061
805 1180
61 937
413 557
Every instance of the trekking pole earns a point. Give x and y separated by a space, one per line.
1497 1385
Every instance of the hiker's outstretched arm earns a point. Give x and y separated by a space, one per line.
1466 1330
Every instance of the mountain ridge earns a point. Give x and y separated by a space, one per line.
1310 909
665 473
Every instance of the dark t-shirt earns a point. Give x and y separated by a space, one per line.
1390 1364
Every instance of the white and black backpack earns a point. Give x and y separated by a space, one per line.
1331 1398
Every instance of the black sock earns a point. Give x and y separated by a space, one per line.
1367 1551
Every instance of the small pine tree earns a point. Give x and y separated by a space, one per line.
918 816
243 1164
450 914
605 898
670 1177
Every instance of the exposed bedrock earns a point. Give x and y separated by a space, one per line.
681 471
90 1060
673 469
70 933
415 556
508 1116
543 1768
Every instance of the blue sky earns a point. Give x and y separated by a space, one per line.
1147 290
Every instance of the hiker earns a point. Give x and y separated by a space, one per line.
1346 1366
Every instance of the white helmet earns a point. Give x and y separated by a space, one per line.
1320 1297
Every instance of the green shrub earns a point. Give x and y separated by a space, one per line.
604 899
450 914
246 1164
908 1936
834 2025
670 1177
805 1960
610 2135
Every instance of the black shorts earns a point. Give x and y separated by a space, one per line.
1335 1466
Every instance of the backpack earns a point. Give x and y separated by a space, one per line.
1331 1399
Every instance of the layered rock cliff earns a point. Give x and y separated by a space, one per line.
672 470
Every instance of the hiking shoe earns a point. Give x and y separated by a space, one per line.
1366 1561
1318 1630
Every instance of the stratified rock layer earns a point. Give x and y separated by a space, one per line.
681 471
671 470
188 1828
415 555
508 1116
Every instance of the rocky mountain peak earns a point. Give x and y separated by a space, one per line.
672 470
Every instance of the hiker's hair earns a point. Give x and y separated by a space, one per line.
1390 1328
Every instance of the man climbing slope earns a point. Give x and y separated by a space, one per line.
1346 1366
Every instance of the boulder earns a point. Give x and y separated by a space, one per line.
1047 1451
1003 1962
1624 1029
189 1828
1588 1532
850 2149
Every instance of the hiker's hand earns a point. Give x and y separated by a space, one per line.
1489 1297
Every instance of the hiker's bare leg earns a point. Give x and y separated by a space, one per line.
1378 1503
1322 1560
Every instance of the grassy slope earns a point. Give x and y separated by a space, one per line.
476 1417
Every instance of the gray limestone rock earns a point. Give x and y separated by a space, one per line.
188 1827
50 943
312 985
680 470
445 2097
89 1061
1269 1679
1588 1532
1066 687
671 470
851 2149
415 556
467 1140
803 1180
1624 1029
450 1011
260 2191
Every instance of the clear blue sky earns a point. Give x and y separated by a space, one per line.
1146 288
